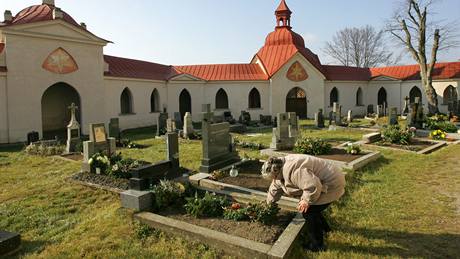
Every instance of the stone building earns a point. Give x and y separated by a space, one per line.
48 60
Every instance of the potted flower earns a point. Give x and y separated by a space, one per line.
99 163
353 149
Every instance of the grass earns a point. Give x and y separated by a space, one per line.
403 205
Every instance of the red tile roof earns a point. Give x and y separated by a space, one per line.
39 13
445 70
226 72
280 46
130 68
343 73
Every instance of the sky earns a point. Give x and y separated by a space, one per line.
180 32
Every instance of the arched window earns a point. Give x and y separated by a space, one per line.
185 102
382 97
126 102
155 101
415 92
221 99
333 96
359 97
254 99
449 95
296 93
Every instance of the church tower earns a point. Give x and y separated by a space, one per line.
283 16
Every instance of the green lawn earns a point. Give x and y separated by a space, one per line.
403 205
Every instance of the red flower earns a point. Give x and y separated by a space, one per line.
236 206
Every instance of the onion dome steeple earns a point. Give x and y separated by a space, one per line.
283 16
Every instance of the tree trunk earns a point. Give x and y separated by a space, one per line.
432 97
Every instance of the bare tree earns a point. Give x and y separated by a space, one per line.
411 27
360 47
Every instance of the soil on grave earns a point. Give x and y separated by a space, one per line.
74 157
415 145
341 155
104 180
255 231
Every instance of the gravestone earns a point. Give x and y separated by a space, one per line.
393 116
73 131
265 120
406 106
319 119
416 116
331 118
286 133
32 137
114 128
9 243
245 118
384 107
188 125
228 117
170 125
379 112
138 197
350 116
98 143
161 123
217 143
178 119
370 109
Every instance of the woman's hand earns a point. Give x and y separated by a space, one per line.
303 206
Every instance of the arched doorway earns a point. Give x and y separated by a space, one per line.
382 97
296 101
333 96
415 92
155 101
221 99
185 103
55 112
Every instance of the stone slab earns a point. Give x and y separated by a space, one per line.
137 200
372 137
196 178
9 242
432 148
285 243
237 246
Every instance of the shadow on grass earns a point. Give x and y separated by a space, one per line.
29 247
11 148
140 133
402 244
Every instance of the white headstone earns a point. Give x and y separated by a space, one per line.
350 116
73 130
188 125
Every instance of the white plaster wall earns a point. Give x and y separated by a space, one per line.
28 81
141 91
394 97
238 97
440 86
347 97
313 87
3 114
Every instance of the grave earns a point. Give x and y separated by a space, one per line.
217 143
350 116
416 117
170 125
9 243
319 119
98 143
245 118
178 120
73 131
114 129
138 196
393 116
161 123
406 106
228 117
286 132
372 137
32 137
338 114
188 126
379 111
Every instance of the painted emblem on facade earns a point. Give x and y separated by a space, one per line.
60 62
297 73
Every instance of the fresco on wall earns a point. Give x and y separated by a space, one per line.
297 73
60 62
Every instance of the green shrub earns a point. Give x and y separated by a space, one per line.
353 149
263 212
210 205
167 192
236 213
312 146
395 135
445 126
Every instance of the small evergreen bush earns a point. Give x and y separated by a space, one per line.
395 135
211 205
312 146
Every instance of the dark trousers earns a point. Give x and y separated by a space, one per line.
316 224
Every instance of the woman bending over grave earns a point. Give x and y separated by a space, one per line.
317 181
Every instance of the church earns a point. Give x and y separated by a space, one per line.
48 60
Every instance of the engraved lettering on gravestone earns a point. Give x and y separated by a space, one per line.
99 134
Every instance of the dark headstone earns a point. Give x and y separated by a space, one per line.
161 124
245 118
9 242
114 128
217 144
178 120
228 117
393 116
370 109
319 119
32 137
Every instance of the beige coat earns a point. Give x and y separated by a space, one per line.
318 181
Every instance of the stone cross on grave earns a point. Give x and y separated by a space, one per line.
73 130
406 106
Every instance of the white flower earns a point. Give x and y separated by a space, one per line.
90 161
115 167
